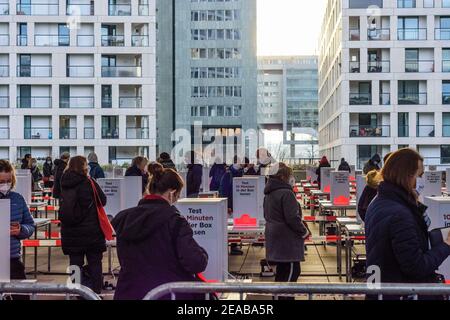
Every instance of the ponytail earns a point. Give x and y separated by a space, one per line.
163 180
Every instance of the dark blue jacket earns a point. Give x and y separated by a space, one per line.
134 171
194 179
397 238
216 173
226 184
96 172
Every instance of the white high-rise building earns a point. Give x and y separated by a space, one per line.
384 79
77 76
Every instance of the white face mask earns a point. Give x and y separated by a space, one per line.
420 185
5 188
292 181
236 166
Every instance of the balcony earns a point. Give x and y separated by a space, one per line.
44 71
51 40
130 102
80 9
403 131
110 133
385 99
4 8
4 102
80 71
4 39
76 102
419 66
4 133
139 41
406 3
446 130
378 66
379 34
360 99
38 9
35 133
22 40
442 34
412 34
354 67
119 10
113 41
137 133
67 133
89 133
85 40
121 71
370 131
445 97
4 71
412 98
354 35
34 102
425 131
106 103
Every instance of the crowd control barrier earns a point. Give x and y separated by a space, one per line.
279 289
35 289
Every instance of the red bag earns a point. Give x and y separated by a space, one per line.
105 225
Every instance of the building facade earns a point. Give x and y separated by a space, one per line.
207 67
78 76
384 79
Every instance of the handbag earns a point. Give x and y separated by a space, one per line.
105 224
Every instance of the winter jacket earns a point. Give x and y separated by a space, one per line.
194 180
134 171
226 184
60 166
168 164
95 171
369 193
21 214
155 245
216 173
80 227
326 165
372 164
284 227
36 174
344 166
397 238
48 170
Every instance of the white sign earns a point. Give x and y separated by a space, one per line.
432 184
23 187
121 194
248 197
205 179
5 222
132 192
23 172
208 219
311 174
325 179
340 188
439 213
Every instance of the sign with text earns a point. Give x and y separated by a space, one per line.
432 182
248 197
325 179
439 213
340 189
121 193
5 222
23 186
208 220
132 192
311 174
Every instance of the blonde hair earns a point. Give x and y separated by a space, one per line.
6 167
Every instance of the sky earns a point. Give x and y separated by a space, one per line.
289 27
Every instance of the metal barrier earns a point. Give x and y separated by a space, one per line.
47 288
278 289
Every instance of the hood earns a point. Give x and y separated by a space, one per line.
324 161
139 223
59 162
376 158
72 179
275 184
373 179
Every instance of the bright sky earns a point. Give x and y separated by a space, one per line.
289 27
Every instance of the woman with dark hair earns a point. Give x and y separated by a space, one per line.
322 164
81 234
155 243
48 171
396 226
165 161
194 175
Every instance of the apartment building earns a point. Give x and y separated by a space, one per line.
78 76
384 79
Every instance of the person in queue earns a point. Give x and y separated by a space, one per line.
374 163
95 170
166 161
344 166
35 175
22 224
322 164
26 162
81 235
396 226
264 161
60 166
138 169
194 175
48 172
285 231
216 173
155 244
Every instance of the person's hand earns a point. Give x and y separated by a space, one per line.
14 230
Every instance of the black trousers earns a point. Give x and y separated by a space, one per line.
17 271
92 273
287 272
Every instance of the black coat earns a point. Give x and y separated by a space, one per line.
155 245
318 171
194 179
48 170
168 164
59 170
344 166
80 227
134 171
397 238
368 194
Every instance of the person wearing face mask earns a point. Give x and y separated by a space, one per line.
194 175
35 174
155 244
397 239
22 223
48 171
26 164
81 235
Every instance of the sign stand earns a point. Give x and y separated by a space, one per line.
432 184
23 186
325 179
121 194
340 188
248 199
5 222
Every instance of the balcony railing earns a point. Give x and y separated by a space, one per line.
403 131
130 102
4 71
51 40
421 66
76 102
425 131
406 3
113 41
379 34
139 41
354 35
355 67
442 34
36 133
378 66
446 130
4 39
412 98
4 133
370 131
385 99
119 10
22 40
137 133
445 97
360 99
38 9
89 133
445 65
44 71
122 71
4 8
106 102
85 40
80 71
80 9
68 133
34 102
412 34
110 133
4 102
